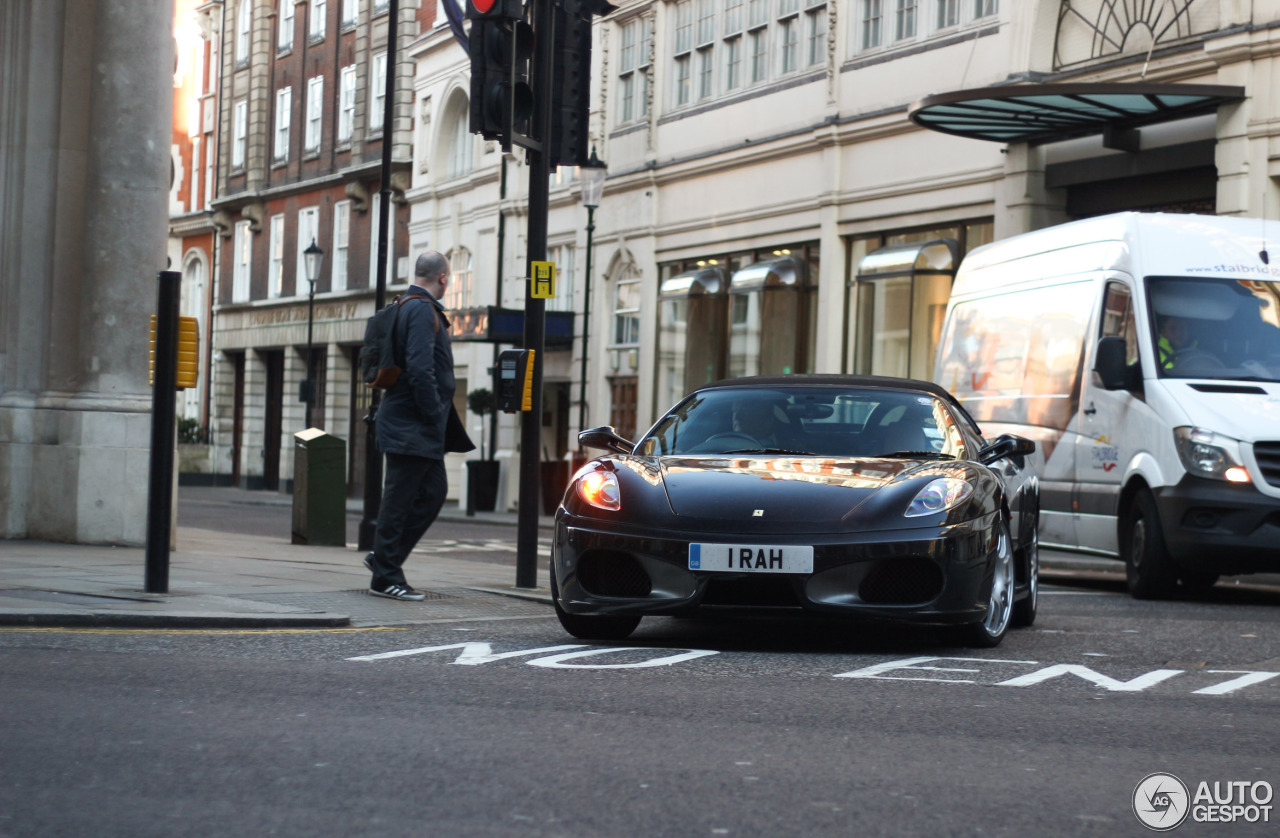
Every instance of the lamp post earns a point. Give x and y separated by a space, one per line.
312 257
591 177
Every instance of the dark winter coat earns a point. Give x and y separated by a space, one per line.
412 417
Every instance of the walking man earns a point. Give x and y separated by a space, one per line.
411 425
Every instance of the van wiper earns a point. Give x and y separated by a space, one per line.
916 455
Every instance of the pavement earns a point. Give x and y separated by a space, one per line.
227 580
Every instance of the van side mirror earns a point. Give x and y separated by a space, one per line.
1006 445
606 438
1110 365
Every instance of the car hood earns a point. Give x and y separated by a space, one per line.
1245 410
767 490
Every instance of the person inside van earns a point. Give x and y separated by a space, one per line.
1175 337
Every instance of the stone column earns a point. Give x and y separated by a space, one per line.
75 420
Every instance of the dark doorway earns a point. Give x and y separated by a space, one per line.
622 405
273 418
237 415
357 429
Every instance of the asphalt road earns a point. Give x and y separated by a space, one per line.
690 728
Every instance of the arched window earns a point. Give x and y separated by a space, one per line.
461 142
458 294
244 22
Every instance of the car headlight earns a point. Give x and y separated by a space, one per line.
938 496
1206 454
600 489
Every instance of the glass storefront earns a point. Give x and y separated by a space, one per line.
691 304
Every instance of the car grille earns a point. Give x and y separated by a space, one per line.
613 573
910 580
1268 456
754 591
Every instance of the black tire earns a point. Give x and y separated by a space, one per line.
988 633
1148 568
590 626
1024 610
1197 581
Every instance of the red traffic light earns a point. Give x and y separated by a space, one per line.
483 6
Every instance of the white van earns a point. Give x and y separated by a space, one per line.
1142 352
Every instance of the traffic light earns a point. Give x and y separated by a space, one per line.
500 46
572 79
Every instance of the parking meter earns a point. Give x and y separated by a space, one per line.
513 380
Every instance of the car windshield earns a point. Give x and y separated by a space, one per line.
1216 328
807 421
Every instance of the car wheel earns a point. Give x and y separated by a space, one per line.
1148 567
1024 610
988 633
591 626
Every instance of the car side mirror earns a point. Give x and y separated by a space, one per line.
1006 445
1110 364
606 438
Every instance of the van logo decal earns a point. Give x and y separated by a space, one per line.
1105 457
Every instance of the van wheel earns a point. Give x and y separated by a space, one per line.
590 626
1148 567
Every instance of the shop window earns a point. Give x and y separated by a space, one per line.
692 314
901 297
768 330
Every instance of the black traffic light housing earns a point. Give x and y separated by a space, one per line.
571 105
500 46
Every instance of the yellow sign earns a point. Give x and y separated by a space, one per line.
188 369
544 280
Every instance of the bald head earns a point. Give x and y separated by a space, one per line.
432 273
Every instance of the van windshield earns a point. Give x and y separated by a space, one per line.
1216 328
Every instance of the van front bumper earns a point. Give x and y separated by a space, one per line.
1220 527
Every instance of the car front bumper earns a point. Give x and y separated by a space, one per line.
1220 527
928 575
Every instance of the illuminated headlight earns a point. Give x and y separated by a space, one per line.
600 489
1206 454
939 496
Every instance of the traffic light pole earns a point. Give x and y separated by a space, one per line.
535 308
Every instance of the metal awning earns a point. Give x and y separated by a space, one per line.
700 283
773 273
1045 113
938 256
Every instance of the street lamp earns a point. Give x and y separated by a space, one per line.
311 258
591 177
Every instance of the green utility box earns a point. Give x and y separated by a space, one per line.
319 489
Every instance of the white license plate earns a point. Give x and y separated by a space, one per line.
753 558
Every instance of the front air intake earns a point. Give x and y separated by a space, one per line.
613 573
910 580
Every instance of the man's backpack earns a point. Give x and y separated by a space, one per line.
378 366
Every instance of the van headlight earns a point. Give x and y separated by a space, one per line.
1206 454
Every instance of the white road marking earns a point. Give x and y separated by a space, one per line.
558 661
1245 679
1105 681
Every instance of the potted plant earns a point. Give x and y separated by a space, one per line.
482 474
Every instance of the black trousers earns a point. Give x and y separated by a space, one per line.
412 495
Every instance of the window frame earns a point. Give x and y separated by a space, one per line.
308 228
314 127
317 12
285 26
275 256
284 116
239 133
241 262
346 104
377 91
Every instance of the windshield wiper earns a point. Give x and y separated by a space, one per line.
931 455
770 451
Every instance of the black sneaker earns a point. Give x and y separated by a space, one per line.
403 592
368 561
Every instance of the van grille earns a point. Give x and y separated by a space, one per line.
1268 456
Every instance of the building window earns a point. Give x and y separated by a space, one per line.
684 70
948 13
284 37
733 63
377 91
244 27
241 251
905 20
789 44
562 176
380 6
759 55
985 8
315 107
461 144
346 103
240 133
284 103
706 22
458 294
871 15
275 267
757 13
563 255
683 52
816 35
308 231
349 12
633 69
341 244
319 11
626 312
375 218
706 74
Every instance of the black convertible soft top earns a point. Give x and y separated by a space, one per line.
881 382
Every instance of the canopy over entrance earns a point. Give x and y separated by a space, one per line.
1046 113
